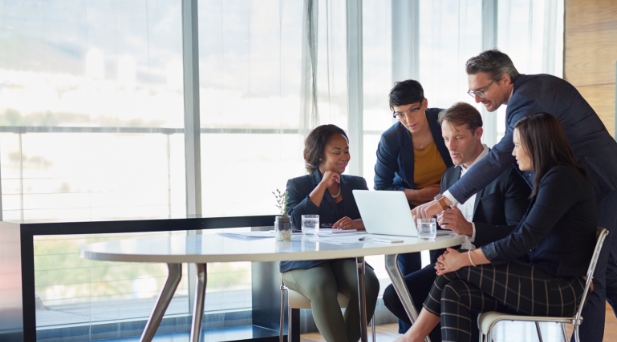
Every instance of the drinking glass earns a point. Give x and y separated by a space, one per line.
427 228
310 224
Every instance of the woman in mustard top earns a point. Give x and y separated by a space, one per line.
411 156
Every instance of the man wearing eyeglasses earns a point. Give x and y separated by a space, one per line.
494 81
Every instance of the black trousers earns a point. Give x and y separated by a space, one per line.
419 284
513 287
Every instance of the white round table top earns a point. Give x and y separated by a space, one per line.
215 248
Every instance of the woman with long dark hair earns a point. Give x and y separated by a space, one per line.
326 191
539 268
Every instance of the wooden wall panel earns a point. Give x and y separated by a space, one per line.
590 50
602 100
593 59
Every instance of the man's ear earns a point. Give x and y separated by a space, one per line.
506 78
479 132
425 102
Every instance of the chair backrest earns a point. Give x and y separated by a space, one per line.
600 236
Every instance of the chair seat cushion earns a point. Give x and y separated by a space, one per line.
487 319
298 301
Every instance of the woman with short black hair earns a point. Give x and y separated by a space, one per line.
411 156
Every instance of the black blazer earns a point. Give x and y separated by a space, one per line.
593 146
558 231
300 204
395 163
498 208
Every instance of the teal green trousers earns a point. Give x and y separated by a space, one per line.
321 284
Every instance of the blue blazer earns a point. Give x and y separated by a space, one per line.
595 149
300 204
558 232
395 157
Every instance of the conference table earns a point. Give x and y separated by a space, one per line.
202 249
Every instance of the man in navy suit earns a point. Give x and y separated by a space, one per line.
488 216
494 81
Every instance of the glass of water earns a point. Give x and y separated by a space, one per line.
427 228
310 224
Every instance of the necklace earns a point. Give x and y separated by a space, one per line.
337 194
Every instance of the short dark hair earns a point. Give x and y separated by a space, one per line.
405 92
493 62
315 144
461 113
544 140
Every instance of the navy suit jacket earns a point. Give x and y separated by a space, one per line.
595 149
558 232
395 157
498 207
300 204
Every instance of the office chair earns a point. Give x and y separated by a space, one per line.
487 320
297 301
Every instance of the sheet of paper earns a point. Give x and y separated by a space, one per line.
339 239
335 231
247 235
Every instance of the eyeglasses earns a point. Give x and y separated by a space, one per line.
481 93
413 111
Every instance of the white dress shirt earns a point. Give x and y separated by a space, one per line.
467 208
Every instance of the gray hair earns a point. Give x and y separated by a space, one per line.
493 62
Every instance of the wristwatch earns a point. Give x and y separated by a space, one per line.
442 201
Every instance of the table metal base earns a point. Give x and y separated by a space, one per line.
362 298
175 275
401 289
167 293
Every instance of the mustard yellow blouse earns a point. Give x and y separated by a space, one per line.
428 167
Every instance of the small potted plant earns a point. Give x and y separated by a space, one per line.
282 224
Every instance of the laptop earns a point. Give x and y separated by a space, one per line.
387 213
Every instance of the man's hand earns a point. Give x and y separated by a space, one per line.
426 210
454 220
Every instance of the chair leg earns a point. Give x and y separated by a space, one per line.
289 321
489 334
282 318
373 331
539 331
577 338
565 334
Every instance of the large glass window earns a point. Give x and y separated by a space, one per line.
91 114
91 103
250 58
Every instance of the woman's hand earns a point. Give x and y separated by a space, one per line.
451 261
329 178
423 195
347 223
